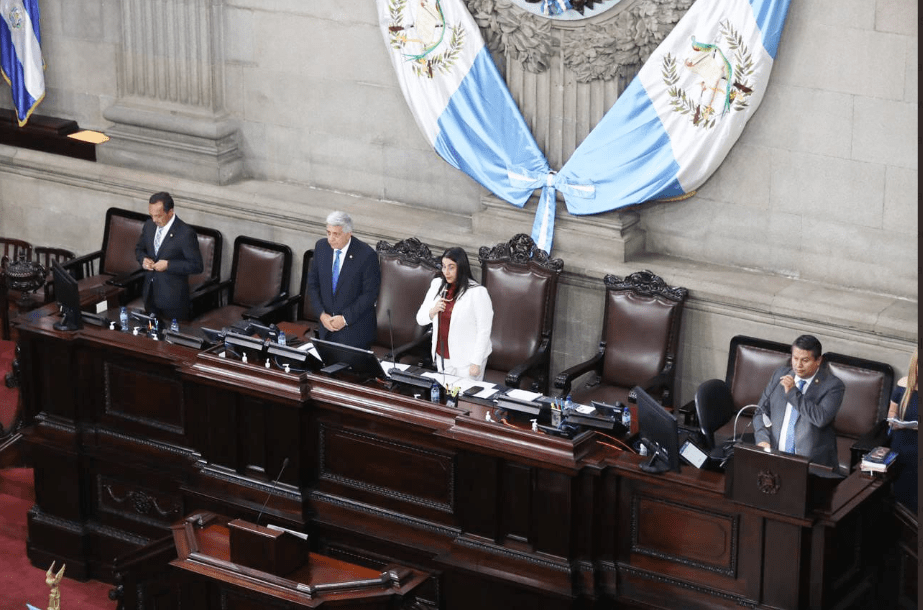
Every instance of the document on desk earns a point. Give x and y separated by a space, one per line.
301 535
387 365
309 347
524 395
902 424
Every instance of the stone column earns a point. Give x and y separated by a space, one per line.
170 116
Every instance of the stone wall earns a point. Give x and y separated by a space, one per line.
810 225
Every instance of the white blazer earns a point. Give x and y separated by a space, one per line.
472 319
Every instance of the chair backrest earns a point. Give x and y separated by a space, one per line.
306 309
13 250
123 229
522 281
714 407
640 327
210 246
407 270
868 393
750 363
260 272
45 255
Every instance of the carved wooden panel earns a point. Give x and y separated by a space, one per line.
159 406
386 467
137 502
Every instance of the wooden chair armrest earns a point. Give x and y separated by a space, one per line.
84 266
566 377
539 358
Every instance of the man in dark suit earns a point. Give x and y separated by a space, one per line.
343 283
798 406
168 250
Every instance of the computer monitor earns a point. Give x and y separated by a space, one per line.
659 433
338 357
67 294
298 358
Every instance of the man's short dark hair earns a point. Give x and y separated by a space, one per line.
809 343
164 198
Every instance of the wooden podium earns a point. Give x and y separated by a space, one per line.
222 563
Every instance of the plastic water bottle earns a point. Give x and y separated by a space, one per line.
281 337
626 417
174 326
123 319
568 403
434 392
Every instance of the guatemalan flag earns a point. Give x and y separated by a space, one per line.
21 55
680 116
457 96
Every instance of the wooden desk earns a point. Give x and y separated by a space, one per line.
212 580
128 435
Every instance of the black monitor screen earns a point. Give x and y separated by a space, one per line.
361 362
67 294
659 432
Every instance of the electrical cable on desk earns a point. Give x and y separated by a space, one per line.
622 443
291 369
610 446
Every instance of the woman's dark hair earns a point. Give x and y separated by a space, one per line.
463 276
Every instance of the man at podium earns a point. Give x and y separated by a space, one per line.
799 404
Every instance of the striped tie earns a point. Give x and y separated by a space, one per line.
158 239
792 418
336 269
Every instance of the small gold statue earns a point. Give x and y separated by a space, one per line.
53 580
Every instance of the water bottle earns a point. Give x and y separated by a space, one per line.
281 337
435 393
174 326
626 417
123 319
568 404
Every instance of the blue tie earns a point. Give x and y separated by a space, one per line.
792 418
158 239
336 268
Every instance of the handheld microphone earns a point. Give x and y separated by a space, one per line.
269 495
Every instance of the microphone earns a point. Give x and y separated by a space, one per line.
269 495
391 333
757 411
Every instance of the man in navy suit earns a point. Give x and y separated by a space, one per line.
798 406
343 283
168 250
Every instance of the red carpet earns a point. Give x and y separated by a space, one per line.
20 582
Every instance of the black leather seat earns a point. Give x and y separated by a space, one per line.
522 281
640 335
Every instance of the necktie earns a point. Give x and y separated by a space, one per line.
336 268
158 239
792 418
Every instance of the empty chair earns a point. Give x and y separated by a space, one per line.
640 335
115 262
714 407
865 405
260 275
407 270
522 281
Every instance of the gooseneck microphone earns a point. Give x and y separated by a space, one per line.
391 334
269 495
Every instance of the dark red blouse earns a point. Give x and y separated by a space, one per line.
445 318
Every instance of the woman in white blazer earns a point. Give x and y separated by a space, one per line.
462 315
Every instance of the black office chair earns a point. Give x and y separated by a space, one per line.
714 407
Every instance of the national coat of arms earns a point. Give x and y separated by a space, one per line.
418 30
719 82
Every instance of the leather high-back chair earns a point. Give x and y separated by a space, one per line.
260 275
865 403
407 270
115 262
306 313
522 281
751 362
13 250
640 336
210 247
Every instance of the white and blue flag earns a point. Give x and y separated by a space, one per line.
456 94
21 55
677 120
663 138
